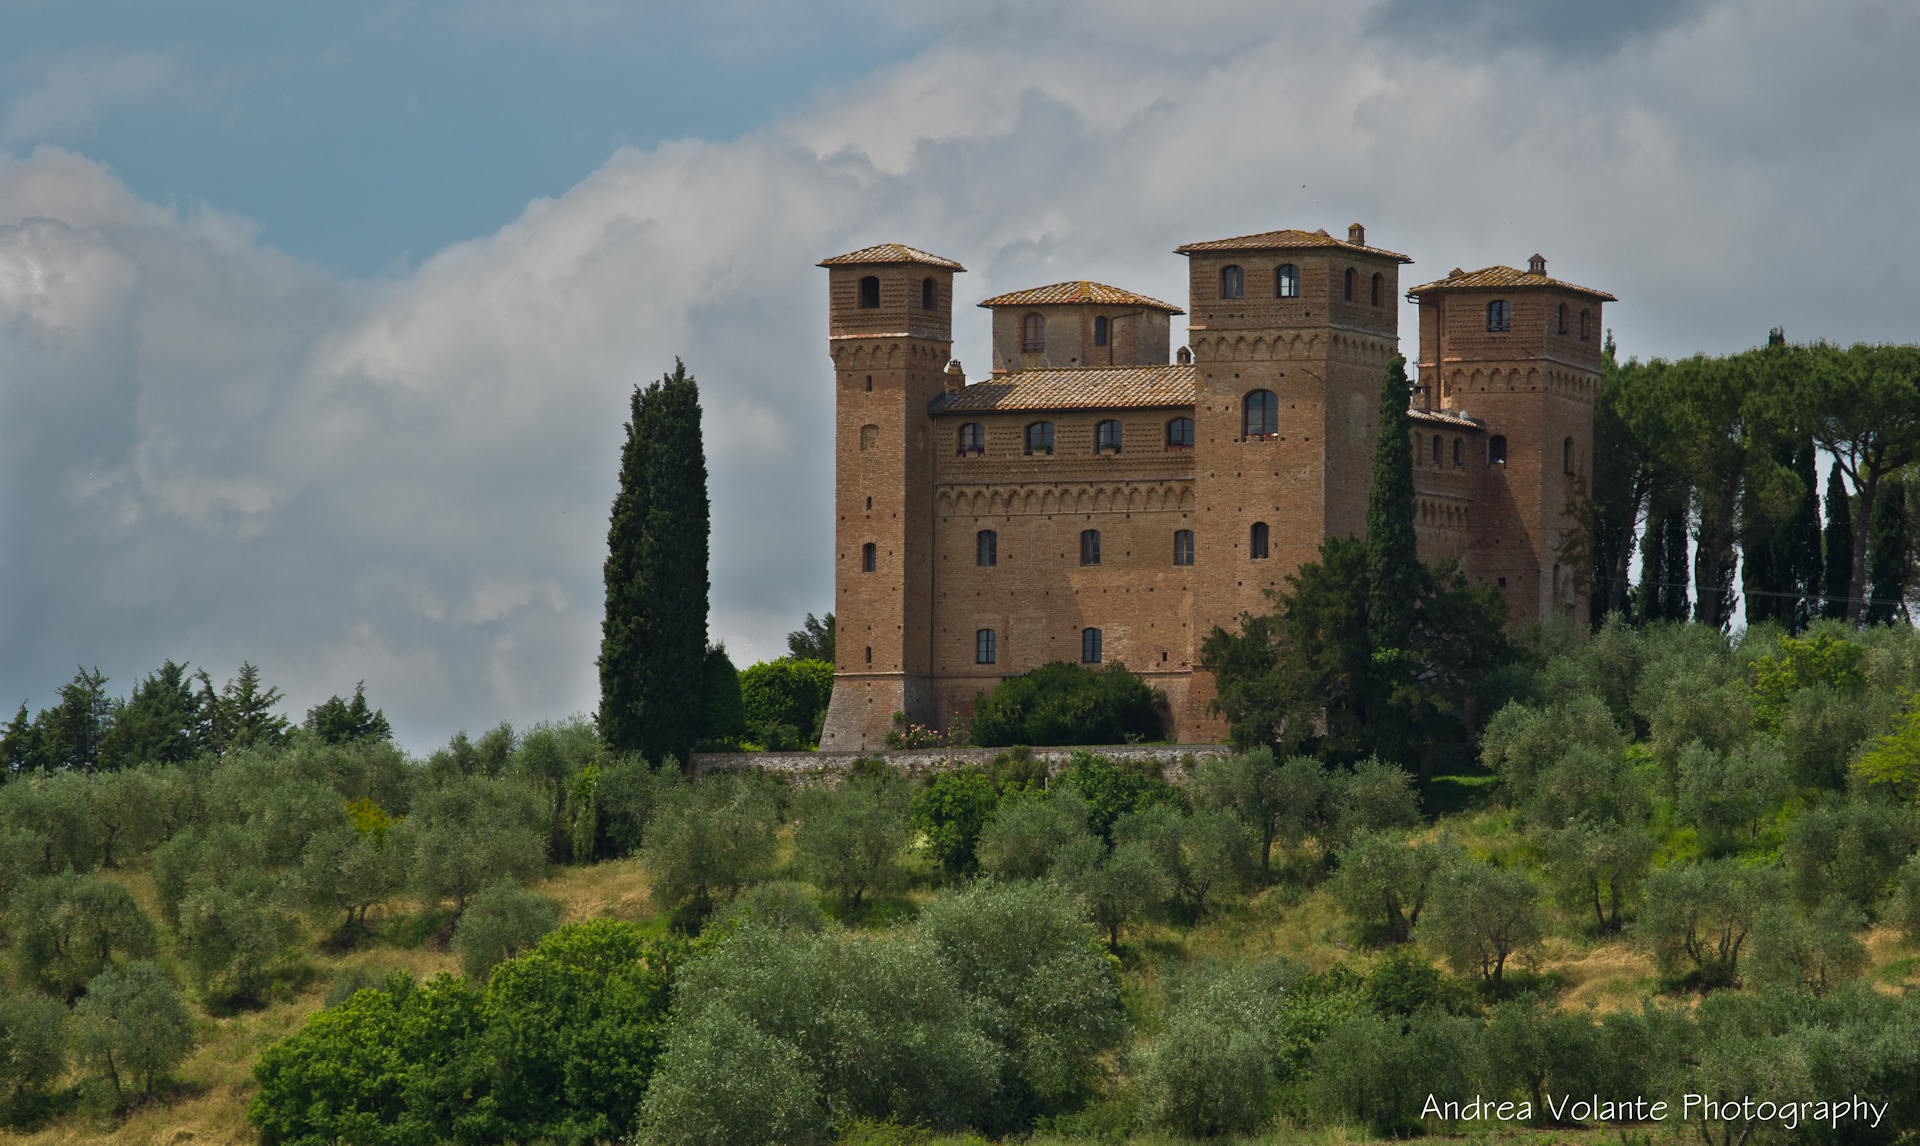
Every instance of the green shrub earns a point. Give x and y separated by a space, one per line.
788 693
1025 834
727 1082
781 905
1112 789
950 812
628 791
66 929
725 718
1376 1071
1851 847
1375 796
503 921
133 1026
1212 1068
851 837
1063 703
1904 909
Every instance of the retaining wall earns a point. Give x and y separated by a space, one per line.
1173 759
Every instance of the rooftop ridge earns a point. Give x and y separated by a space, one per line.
1503 276
889 253
1079 291
1285 240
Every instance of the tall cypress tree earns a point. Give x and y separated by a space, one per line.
1887 556
1803 542
1839 538
1393 559
653 642
1664 576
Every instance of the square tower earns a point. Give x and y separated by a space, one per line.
1519 354
1290 331
889 333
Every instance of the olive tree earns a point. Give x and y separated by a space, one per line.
851 838
1385 881
68 928
1116 886
501 922
1482 915
710 839
1025 834
1699 916
133 1026
33 1041
1198 852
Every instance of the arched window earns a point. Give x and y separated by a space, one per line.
869 557
1347 290
1257 540
1040 439
869 437
1180 433
973 439
1089 646
1106 437
1566 457
1499 315
1437 456
928 292
1584 329
1286 281
1233 282
870 293
1183 547
1034 338
1459 452
986 548
1262 414
1100 330
1563 318
1378 282
983 650
1089 547
1497 450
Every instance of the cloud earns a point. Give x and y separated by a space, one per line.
76 88
212 451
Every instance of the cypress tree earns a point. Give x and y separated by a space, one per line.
1663 567
653 643
1839 538
1803 542
1887 556
1393 559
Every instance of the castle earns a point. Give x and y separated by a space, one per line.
1092 502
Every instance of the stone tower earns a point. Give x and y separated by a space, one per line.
1520 354
1290 331
890 331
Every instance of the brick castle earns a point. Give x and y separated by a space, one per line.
1091 501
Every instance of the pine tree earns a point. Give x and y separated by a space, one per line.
1393 559
1839 539
343 722
1803 542
160 724
1887 557
654 639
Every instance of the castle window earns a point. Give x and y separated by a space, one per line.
869 437
1089 547
973 439
983 649
1584 329
1106 437
1034 338
1090 646
1257 540
1040 438
1459 452
1183 547
1566 457
1233 282
1286 281
986 547
869 654
1563 318
1438 457
869 557
870 293
1377 281
869 383
927 294
1180 433
1347 291
1499 315
1497 450
1262 414
1100 331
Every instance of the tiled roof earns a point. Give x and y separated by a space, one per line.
1504 277
1100 387
1080 292
1440 418
1282 240
889 253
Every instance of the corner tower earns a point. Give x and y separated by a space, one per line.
889 333
1520 354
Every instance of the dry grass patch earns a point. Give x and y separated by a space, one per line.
611 889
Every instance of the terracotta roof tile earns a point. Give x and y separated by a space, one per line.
1284 240
889 253
1503 277
1080 292
1441 418
1100 387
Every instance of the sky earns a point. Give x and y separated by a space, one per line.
318 323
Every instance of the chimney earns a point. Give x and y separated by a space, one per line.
956 377
1357 235
1183 356
1537 265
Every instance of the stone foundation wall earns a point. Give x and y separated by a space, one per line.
1174 759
